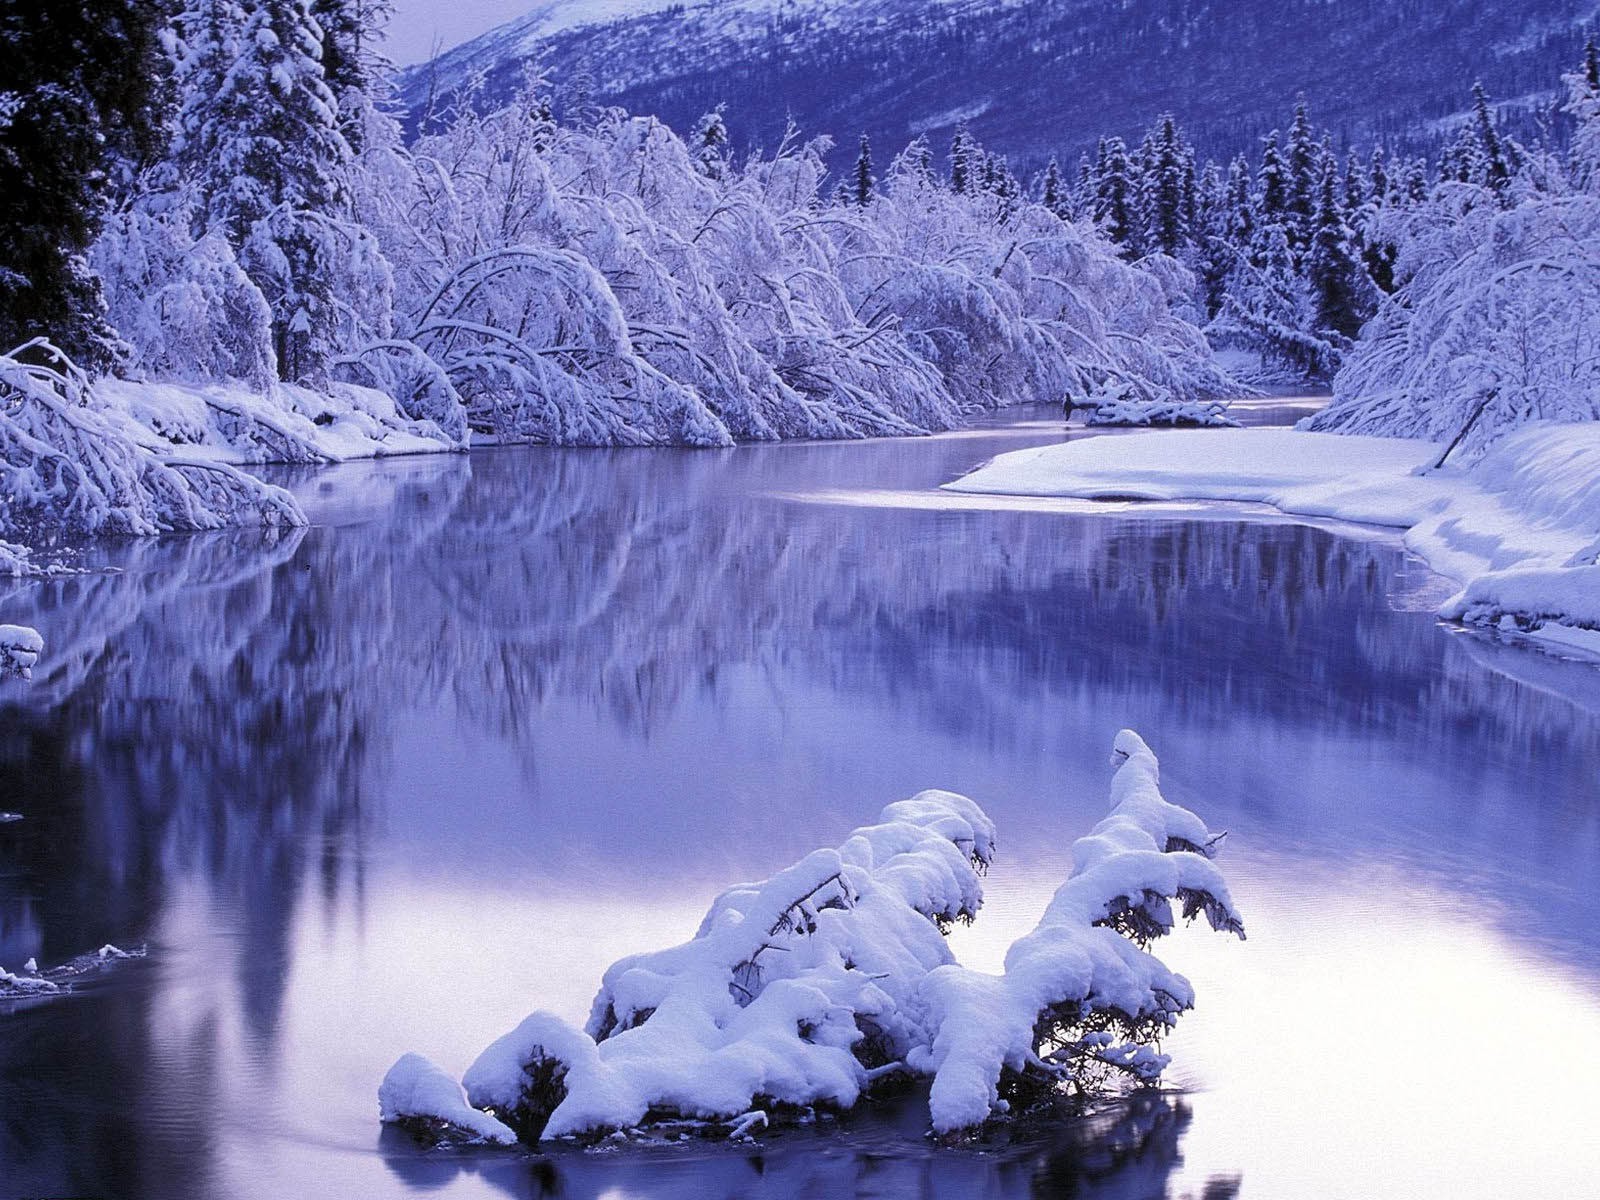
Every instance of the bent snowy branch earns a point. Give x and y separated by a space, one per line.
806 989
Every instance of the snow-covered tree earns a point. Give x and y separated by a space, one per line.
864 181
261 143
710 142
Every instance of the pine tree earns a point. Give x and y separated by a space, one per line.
1053 197
351 62
1272 194
1355 184
1241 225
1304 171
1344 295
83 87
1214 249
1497 156
1378 177
865 181
1167 188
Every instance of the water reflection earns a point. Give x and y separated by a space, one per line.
392 781
1126 1153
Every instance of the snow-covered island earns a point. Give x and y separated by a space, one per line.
1518 530
803 992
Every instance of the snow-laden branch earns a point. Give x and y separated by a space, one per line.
804 990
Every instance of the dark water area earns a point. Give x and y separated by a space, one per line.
393 781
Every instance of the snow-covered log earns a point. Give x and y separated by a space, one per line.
1118 404
802 991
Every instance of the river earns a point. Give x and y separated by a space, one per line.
393 781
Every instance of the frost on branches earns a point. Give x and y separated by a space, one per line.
601 285
805 990
66 468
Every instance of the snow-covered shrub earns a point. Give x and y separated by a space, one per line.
804 990
181 303
1082 997
65 468
20 648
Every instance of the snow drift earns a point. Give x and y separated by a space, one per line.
804 990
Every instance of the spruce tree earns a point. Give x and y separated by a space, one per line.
1344 294
962 149
865 181
709 144
351 63
1167 188
1496 155
1272 181
1052 196
1304 162
83 88
1115 210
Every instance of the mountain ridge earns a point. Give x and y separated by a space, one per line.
1035 77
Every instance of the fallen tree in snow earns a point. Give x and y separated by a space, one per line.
804 991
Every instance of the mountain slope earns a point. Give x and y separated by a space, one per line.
1035 77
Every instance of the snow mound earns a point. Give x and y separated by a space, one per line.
20 648
420 1097
1519 529
804 990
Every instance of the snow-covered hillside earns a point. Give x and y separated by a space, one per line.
1033 76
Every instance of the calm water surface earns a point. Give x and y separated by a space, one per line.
394 781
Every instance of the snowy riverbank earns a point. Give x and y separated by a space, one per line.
1519 530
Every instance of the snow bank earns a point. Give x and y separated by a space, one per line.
803 990
20 648
1519 529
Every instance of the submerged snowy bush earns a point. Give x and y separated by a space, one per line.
20 648
66 468
803 991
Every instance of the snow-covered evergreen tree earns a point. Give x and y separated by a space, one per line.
262 145
1116 200
710 141
864 181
